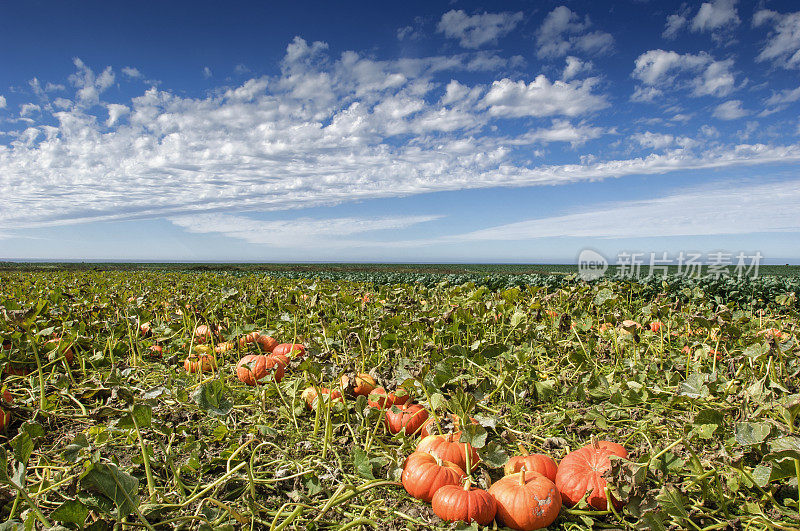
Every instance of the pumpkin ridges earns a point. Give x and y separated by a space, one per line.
526 501
423 474
583 469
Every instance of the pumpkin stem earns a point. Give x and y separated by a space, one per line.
522 475
522 450
467 484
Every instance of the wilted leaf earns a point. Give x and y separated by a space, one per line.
750 433
117 486
210 397
71 511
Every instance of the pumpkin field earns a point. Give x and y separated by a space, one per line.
168 399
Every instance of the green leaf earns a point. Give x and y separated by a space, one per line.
750 433
517 318
788 446
362 463
437 401
117 486
493 455
71 511
22 445
73 449
756 350
694 386
210 397
141 413
775 470
603 296
672 502
474 434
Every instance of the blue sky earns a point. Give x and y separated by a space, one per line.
419 131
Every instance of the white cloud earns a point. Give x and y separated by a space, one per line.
3 102
735 209
718 17
302 232
709 131
131 72
783 42
784 96
541 97
646 94
29 108
207 72
675 23
559 131
715 15
324 131
115 111
730 110
562 32
575 67
699 72
89 85
473 31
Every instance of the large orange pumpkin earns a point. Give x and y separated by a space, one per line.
582 471
424 474
253 368
447 448
540 463
407 418
290 349
462 504
252 337
526 501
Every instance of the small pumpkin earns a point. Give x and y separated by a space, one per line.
290 349
5 416
6 344
447 448
155 351
464 504
200 363
145 329
540 463
11 369
311 396
581 472
363 384
424 474
225 346
379 398
267 343
253 368
202 334
407 418
252 337
526 501
68 355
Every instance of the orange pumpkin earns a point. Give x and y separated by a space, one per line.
581 472
253 368
363 384
221 348
379 398
202 334
5 416
290 349
252 337
424 474
463 504
267 343
407 418
526 501
540 463
200 363
447 448
68 355
311 396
